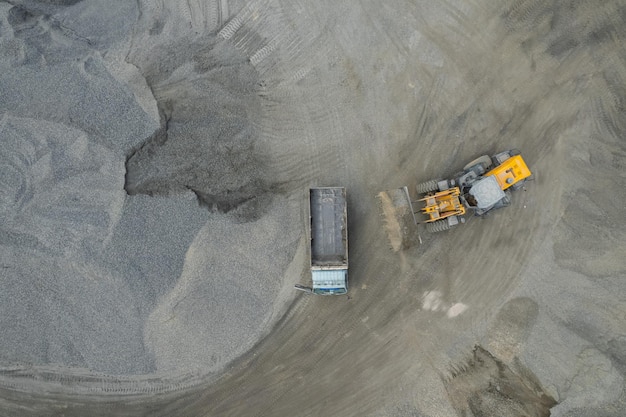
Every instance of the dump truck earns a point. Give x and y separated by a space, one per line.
328 241
483 185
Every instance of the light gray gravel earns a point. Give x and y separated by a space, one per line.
91 277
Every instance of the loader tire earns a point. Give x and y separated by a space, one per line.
437 226
484 160
427 187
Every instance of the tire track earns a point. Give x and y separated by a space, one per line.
300 350
298 110
29 379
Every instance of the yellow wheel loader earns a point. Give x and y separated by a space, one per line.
482 186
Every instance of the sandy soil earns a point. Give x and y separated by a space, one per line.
154 165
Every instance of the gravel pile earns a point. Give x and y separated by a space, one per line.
183 273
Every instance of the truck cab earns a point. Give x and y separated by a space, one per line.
330 281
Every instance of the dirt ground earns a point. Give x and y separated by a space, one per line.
155 162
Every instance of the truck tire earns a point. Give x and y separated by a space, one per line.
437 226
484 160
427 187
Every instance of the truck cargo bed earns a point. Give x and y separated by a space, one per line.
329 245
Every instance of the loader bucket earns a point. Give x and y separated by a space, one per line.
398 218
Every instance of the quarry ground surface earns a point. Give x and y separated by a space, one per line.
154 166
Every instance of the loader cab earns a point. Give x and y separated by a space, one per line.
486 194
